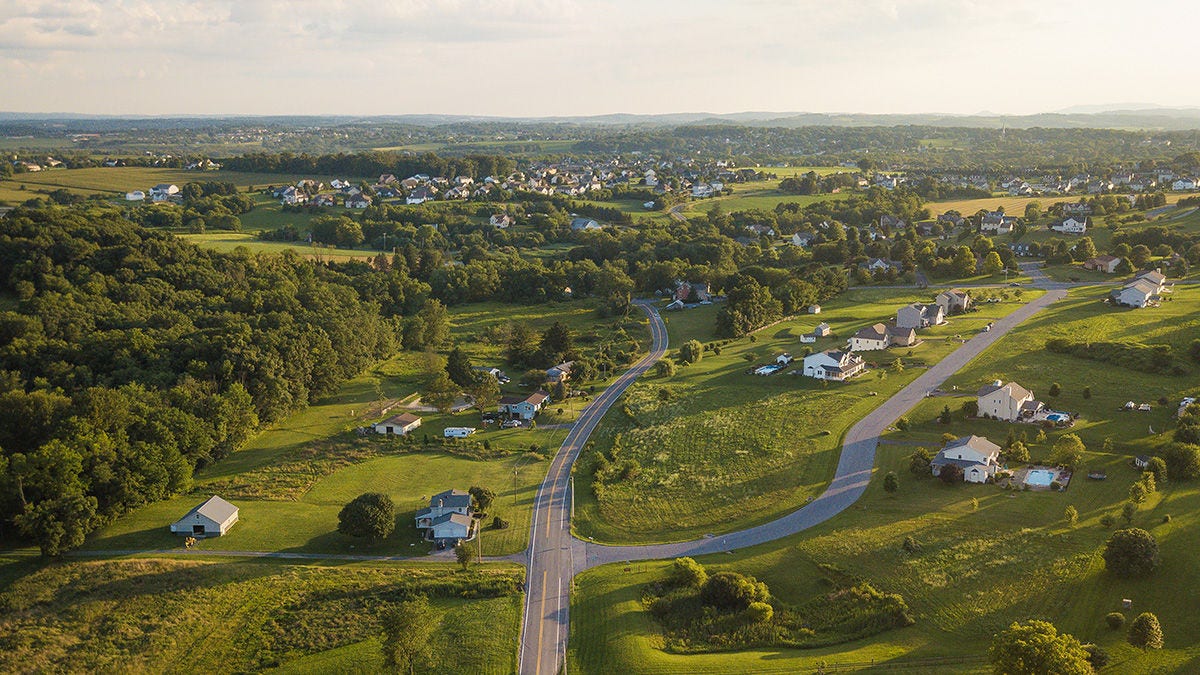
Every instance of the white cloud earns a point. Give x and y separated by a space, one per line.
546 57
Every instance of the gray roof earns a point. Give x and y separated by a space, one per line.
215 509
458 518
403 419
977 443
451 499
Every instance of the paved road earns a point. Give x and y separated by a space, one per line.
551 546
854 468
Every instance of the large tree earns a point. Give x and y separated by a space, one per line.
1131 552
371 515
1036 648
1146 632
440 392
458 367
1068 450
407 630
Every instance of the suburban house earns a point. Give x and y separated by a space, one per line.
684 291
997 223
814 309
1007 402
448 518
525 408
869 338
1155 277
954 301
1103 263
803 239
358 201
917 315
398 425
418 196
1071 225
500 221
579 224
559 373
1077 209
212 518
833 364
882 265
891 223
1184 184
978 458
901 337
494 372
1138 293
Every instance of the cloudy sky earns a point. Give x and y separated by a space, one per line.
569 57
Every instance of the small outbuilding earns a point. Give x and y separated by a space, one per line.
398 425
213 518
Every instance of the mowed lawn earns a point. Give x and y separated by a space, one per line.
169 615
986 558
122 179
723 449
1012 205
1021 357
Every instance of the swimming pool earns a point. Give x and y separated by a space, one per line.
1040 477
1057 417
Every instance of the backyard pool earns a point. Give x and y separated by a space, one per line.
1040 477
1057 417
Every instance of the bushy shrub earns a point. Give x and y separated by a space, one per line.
730 590
759 612
1114 620
1131 552
1146 632
687 573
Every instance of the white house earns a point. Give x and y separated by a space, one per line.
212 518
162 192
975 455
1184 184
996 222
814 309
398 425
1071 225
833 364
500 221
418 196
1006 401
953 301
1139 293
918 316
802 239
358 201
448 518
135 196
869 338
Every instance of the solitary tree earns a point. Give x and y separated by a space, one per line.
406 634
465 555
485 392
1131 552
891 483
371 515
1146 632
664 368
691 351
440 392
1067 451
918 462
1035 648
483 497
1055 389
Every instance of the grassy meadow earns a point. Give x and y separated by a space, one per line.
724 449
165 615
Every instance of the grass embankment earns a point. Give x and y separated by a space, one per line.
291 481
727 449
162 615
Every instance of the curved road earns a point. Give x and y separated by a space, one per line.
555 556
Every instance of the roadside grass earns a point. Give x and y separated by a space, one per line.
1021 357
727 449
978 568
170 615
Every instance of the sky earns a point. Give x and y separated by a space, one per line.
535 58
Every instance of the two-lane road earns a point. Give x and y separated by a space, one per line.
551 547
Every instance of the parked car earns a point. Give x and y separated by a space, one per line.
510 424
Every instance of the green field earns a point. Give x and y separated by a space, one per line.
118 180
231 241
729 449
164 615
978 568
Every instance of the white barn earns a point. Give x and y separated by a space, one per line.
212 518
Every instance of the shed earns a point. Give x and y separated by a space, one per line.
212 518
398 425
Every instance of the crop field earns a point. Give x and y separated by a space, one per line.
292 479
1021 357
765 196
983 558
169 615
121 179
724 449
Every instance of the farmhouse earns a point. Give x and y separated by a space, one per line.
162 192
833 364
1155 277
398 425
1103 263
917 315
1139 293
448 518
814 309
1007 402
1071 225
954 301
559 373
212 518
975 455
525 408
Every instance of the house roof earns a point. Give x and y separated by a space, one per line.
876 332
1015 390
977 443
1153 276
451 499
456 518
403 419
215 509
536 398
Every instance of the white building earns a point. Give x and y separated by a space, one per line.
212 518
833 364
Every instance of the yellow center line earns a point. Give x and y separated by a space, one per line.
541 624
